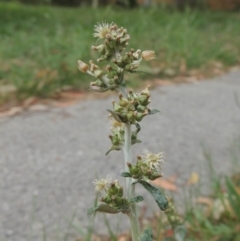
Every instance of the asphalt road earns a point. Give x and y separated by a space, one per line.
49 159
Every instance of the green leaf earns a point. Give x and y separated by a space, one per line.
136 199
159 197
126 174
138 127
115 115
111 149
146 235
104 208
154 111
136 141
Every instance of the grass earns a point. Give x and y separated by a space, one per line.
212 218
215 217
39 46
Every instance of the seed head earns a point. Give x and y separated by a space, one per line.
102 30
102 184
153 160
148 55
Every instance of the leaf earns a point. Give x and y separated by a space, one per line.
165 184
126 174
146 235
136 141
104 208
111 149
115 115
159 197
154 111
138 127
136 199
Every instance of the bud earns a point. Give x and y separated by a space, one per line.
107 199
117 107
148 55
115 141
136 54
139 158
124 40
134 171
130 116
113 190
141 108
146 91
123 102
120 191
93 66
119 201
98 83
139 116
98 73
82 66
143 100
99 48
111 72
153 176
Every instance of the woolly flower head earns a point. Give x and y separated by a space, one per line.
102 184
152 159
102 29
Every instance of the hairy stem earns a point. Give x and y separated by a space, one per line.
130 188
127 151
128 156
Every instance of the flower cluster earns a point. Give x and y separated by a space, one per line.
133 108
112 50
113 193
117 136
129 110
146 166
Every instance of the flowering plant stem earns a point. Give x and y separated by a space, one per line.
127 151
130 110
135 228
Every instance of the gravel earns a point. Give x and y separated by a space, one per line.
49 159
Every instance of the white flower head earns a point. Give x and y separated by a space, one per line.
152 159
102 184
102 29
148 55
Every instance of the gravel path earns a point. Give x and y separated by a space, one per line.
48 160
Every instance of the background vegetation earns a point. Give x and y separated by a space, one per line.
212 4
40 45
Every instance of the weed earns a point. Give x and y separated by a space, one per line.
39 45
